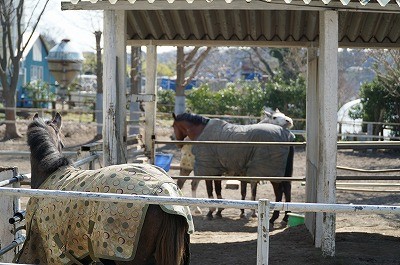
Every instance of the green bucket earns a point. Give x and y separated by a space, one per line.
295 219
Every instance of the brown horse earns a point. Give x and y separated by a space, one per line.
215 160
82 232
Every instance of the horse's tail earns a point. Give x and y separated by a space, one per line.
289 162
172 247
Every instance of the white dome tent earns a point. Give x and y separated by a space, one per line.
346 124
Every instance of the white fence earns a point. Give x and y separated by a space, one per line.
264 207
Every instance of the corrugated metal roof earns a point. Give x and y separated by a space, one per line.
288 27
364 23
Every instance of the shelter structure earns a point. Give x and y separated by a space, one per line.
321 26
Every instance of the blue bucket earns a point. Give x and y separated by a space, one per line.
163 160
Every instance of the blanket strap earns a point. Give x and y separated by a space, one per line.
90 246
65 252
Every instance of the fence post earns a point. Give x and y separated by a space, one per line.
263 232
91 163
8 206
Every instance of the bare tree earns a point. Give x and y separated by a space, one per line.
269 61
12 47
187 66
259 61
387 69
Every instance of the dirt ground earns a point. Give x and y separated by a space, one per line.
360 238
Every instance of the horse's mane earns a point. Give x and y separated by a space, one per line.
43 149
192 118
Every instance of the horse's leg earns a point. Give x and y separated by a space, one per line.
278 190
287 190
195 184
183 172
253 196
180 183
209 186
243 191
218 191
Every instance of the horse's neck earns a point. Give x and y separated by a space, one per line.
194 131
38 176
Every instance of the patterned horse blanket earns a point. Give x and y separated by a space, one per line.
187 158
76 228
214 160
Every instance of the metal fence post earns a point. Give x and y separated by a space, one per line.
263 232
91 163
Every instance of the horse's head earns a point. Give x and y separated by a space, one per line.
188 125
180 128
44 140
278 118
54 130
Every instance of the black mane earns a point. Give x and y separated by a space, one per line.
192 118
43 149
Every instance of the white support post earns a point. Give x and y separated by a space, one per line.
328 100
114 101
263 232
150 107
312 148
8 206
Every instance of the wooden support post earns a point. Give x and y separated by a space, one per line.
312 148
328 100
114 101
150 107
8 206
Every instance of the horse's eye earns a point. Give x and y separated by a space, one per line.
274 118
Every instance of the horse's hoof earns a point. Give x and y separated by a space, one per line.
283 224
254 215
218 215
209 216
242 216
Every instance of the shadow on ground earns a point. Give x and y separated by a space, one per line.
294 246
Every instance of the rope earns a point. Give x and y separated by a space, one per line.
368 170
367 190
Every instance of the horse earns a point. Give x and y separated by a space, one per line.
217 159
187 160
71 231
186 167
276 117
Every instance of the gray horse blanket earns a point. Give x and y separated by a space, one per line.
262 160
58 231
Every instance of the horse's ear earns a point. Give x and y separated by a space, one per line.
36 116
267 113
173 115
57 120
277 110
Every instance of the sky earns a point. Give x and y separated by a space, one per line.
78 26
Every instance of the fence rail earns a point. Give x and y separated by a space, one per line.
340 145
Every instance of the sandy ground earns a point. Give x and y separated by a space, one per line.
360 238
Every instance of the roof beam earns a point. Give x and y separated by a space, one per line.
343 43
243 5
